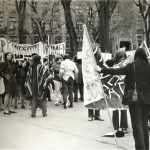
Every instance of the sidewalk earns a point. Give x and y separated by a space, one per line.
62 129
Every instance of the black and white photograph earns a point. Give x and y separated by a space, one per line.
74 74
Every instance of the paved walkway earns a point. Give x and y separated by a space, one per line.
61 129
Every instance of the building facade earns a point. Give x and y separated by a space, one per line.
127 28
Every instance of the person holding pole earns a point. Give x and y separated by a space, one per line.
137 78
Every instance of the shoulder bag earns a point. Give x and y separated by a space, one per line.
130 96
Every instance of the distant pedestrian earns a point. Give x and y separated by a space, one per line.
40 78
68 72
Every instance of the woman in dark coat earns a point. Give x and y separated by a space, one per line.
140 109
8 72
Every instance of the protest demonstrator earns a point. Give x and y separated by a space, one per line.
68 72
2 89
95 113
137 80
57 81
39 81
78 85
8 71
93 90
120 56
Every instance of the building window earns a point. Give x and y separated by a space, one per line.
58 39
139 40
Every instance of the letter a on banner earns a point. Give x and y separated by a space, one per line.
93 90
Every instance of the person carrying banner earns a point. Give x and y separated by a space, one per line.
95 113
137 73
119 57
68 72
40 78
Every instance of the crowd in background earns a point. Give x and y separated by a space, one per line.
57 80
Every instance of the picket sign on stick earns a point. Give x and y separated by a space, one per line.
92 96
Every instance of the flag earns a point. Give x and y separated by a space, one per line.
93 90
113 85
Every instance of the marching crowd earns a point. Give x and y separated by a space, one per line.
63 77
59 80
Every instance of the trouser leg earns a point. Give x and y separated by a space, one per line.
97 114
70 90
90 113
145 115
33 106
75 91
64 91
44 107
81 91
1 102
7 102
136 120
124 120
115 119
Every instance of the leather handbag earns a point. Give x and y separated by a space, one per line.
130 96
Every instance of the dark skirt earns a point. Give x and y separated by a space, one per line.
10 85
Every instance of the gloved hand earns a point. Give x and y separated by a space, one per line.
98 69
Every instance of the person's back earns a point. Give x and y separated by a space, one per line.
142 76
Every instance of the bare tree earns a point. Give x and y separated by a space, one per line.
39 17
105 10
88 16
144 7
21 9
70 26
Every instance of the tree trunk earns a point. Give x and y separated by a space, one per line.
21 8
70 27
105 9
104 18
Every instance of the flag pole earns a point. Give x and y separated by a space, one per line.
85 30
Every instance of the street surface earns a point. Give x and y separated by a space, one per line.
61 129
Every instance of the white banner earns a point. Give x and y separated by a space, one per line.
26 49
56 49
93 90
18 49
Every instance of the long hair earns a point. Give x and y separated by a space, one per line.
119 55
141 54
6 54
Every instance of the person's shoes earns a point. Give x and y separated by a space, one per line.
1 109
56 104
7 113
70 106
44 115
75 100
12 111
99 118
65 107
125 130
90 119
33 116
23 107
